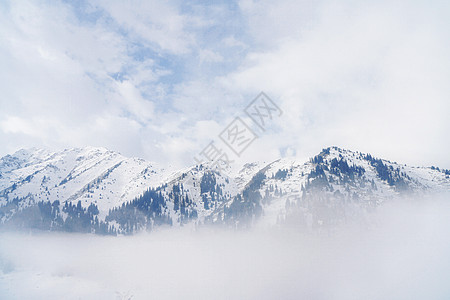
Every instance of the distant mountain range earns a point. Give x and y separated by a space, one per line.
100 191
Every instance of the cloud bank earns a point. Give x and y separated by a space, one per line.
404 255
160 79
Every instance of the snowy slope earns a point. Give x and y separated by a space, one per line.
328 189
91 175
204 186
351 177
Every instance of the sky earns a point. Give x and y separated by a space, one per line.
162 79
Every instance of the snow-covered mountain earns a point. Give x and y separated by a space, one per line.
337 184
89 175
96 190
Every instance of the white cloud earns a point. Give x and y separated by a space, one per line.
144 78
208 56
17 125
60 71
154 22
369 77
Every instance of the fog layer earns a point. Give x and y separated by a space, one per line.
404 255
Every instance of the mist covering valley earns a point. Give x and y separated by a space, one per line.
403 254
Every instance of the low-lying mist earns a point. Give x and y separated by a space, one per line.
405 254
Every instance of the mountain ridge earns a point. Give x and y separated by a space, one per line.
129 194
